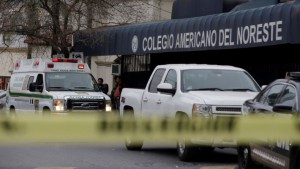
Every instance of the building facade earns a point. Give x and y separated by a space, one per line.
12 48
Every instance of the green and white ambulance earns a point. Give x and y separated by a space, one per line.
58 85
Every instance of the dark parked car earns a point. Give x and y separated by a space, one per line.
281 97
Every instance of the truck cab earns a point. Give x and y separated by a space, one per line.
57 85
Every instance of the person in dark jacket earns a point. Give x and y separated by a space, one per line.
117 92
102 86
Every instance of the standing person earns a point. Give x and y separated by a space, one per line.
103 87
287 75
117 92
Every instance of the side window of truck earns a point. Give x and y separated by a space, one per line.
172 78
156 79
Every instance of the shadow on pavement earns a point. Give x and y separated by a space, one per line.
222 156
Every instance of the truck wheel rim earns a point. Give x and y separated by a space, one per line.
128 140
181 146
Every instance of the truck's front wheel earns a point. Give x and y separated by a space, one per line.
185 149
131 142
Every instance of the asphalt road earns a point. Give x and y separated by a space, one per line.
87 156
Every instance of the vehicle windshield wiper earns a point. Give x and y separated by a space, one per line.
60 88
200 89
83 88
242 89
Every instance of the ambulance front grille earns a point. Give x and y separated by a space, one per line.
85 104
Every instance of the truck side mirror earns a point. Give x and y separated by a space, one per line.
166 88
40 88
263 86
32 87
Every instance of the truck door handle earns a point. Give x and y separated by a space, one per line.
145 99
158 101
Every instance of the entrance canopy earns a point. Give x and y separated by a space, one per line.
264 26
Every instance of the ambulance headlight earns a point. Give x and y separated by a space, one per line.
58 105
108 106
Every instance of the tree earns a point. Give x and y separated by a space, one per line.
52 22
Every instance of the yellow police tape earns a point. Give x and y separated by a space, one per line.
96 129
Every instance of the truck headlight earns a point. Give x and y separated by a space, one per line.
58 105
108 106
201 110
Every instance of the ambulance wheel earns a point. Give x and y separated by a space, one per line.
131 142
12 111
46 111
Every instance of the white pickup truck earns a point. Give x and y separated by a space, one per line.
186 91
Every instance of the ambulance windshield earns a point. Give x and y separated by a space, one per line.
71 82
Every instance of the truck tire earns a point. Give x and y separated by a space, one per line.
131 142
244 159
185 149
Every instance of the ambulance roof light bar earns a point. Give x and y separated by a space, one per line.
64 60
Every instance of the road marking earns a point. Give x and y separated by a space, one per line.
55 168
220 167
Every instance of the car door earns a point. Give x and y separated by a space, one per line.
282 149
24 100
166 101
270 154
150 105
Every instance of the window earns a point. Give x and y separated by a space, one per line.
29 81
4 82
156 80
172 78
227 80
288 97
39 82
271 95
60 81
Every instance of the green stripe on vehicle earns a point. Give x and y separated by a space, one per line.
40 96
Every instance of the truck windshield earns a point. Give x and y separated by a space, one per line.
71 82
217 80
